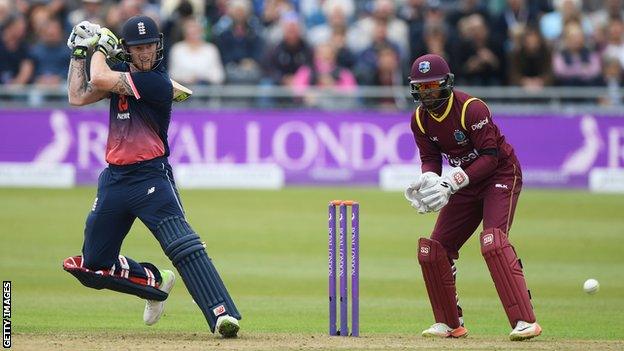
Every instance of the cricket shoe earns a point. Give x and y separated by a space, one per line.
227 326
154 309
525 331
441 330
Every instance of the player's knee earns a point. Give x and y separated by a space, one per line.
430 250
177 238
492 239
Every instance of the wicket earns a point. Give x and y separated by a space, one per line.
343 270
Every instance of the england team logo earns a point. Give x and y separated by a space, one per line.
141 27
424 66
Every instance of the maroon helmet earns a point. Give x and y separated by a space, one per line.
431 74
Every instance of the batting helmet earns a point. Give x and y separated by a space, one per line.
430 74
141 30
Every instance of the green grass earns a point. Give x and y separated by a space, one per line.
271 249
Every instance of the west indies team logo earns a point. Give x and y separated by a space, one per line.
424 66
459 136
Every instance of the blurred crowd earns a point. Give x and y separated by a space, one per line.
337 43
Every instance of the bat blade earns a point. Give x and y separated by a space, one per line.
180 92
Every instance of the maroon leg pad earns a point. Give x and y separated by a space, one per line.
506 271
439 281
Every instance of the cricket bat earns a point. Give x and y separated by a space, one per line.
180 92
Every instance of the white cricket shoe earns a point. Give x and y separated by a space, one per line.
441 330
227 326
154 309
524 331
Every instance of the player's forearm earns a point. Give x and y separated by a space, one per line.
99 68
105 79
78 86
481 168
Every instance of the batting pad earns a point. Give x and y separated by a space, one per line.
439 281
202 280
144 288
506 271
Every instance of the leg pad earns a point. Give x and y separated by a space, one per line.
439 281
506 271
144 288
202 280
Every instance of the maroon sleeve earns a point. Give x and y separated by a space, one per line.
430 155
484 136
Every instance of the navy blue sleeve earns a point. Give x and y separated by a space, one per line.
151 86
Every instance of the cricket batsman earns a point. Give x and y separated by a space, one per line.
483 185
138 182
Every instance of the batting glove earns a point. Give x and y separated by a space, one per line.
438 195
108 43
82 38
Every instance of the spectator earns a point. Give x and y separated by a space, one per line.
16 65
434 23
516 16
388 73
344 56
51 55
530 61
5 10
612 79
238 36
316 12
323 73
615 41
193 60
337 20
93 11
119 14
173 28
289 54
612 9
552 23
478 57
273 13
416 13
368 60
435 41
575 63
359 37
215 9
465 9
168 8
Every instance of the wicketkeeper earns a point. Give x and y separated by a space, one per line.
483 185
138 182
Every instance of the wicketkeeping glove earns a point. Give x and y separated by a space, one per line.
438 195
413 195
108 43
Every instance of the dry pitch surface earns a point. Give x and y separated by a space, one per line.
257 341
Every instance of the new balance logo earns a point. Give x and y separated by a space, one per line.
151 190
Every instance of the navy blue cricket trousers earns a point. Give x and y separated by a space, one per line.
145 190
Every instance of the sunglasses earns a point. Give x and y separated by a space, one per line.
424 86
